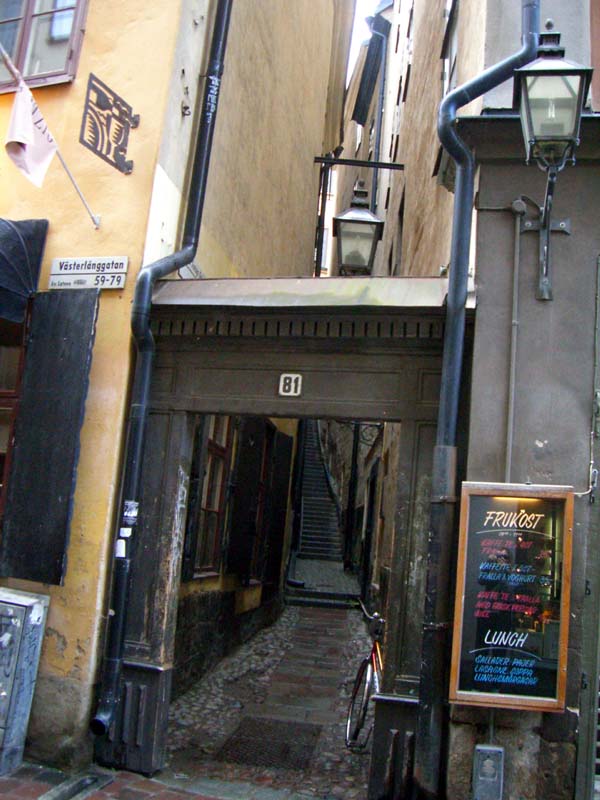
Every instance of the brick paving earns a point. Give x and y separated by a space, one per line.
32 781
298 672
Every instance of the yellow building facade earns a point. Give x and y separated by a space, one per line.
280 98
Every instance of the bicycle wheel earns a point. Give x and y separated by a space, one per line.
359 704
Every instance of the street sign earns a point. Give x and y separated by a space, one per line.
94 272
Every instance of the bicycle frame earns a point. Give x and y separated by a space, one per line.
366 684
377 663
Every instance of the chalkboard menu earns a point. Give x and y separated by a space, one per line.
512 597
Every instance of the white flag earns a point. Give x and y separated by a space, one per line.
29 142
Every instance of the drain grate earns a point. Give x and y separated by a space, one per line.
271 743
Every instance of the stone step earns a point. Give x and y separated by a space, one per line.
319 555
320 536
323 602
320 532
320 544
327 595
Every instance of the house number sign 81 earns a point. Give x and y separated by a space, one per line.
290 384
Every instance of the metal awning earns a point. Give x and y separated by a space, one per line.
304 293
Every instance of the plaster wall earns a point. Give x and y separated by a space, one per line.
116 45
503 29
553 409
260 213
179 129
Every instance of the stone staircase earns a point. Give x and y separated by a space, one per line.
320 531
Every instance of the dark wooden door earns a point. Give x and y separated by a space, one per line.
244 504
275 523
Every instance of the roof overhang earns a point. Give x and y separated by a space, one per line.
499 136
314 294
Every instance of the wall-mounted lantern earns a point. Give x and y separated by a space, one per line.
550 93
357 231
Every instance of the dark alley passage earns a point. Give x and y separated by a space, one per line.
272 714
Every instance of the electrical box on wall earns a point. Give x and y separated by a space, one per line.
22 622
488 772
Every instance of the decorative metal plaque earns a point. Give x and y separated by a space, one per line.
107 120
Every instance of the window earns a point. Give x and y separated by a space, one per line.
214 494
396 268
207 499
450 48
43 38
11 362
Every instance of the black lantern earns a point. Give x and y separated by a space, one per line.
357 231
551 92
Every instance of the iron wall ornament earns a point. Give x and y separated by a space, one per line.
107 120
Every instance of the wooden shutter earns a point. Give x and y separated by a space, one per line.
197 474
279 491
39 500
244 497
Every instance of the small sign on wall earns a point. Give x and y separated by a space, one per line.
107 121
95 272
511 621
290 384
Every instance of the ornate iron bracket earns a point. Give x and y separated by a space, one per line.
545 227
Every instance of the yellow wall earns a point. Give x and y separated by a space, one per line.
116 47
260 213
259 220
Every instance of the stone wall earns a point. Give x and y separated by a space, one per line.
209 629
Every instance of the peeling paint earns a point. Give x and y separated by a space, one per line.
59 639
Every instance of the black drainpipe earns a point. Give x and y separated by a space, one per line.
434 652
138 413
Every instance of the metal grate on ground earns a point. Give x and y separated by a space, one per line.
271 743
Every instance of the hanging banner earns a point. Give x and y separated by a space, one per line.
511 620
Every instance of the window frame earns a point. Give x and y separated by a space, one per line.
207 560
449 51
67 73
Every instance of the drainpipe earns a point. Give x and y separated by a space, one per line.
380 105
138 413
433 679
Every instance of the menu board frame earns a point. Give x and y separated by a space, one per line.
565 497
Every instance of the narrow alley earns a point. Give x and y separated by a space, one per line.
267 723
273 713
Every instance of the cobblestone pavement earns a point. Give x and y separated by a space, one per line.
294 677
325 576
299 672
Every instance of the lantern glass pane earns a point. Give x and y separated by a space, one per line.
553 100
356 240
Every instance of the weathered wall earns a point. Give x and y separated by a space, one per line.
259 217
553 408
116 45
503 29
208 629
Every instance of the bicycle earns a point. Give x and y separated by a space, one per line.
366 684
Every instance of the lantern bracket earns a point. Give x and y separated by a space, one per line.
545 226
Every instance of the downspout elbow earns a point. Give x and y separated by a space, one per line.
487 80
